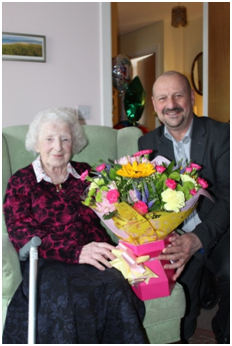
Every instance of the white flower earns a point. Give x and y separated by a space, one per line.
185 177
112 186
174 200
133 197
130 159
123 160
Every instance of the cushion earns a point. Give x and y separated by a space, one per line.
11 274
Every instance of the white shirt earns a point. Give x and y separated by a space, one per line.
40 173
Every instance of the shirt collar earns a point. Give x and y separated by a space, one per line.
187 137
41 175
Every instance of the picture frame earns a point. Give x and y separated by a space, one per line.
23 47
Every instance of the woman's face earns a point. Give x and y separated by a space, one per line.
55 144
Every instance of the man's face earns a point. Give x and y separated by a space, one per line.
173 102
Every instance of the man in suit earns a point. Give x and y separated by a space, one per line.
205 242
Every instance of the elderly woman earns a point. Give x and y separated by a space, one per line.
81 298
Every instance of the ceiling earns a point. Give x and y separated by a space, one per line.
136 15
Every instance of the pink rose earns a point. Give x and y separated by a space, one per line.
202 182
112 196
160 169
105 206
196 166
143 152
171 184
100 168
141 207
84 175
188 169
193 192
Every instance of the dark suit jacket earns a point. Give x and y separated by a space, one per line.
210 148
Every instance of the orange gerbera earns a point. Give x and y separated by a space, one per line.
136 170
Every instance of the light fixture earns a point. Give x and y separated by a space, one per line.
179 16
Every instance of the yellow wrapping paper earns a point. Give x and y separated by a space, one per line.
167 222
151 227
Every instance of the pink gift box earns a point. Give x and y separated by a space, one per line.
161 286
152 249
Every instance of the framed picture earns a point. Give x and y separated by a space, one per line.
23 47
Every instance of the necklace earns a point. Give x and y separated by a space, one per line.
58 188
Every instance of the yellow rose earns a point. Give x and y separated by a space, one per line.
174 200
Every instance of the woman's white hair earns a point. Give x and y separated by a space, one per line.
54 115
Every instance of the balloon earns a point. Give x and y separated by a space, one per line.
122 72
134 100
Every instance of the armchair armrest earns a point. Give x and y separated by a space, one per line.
11 273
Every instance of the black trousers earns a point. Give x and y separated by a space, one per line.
219 264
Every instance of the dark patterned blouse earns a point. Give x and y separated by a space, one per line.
62 222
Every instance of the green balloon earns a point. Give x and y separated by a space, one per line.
134 100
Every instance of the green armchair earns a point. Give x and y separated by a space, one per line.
163 315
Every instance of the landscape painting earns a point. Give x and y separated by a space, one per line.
23 47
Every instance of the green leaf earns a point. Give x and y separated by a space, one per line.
112 174
175 176
91 192
179 187
101 182
184 189
117 166
170 167
87 202
104 188
189 184
99 197
159 186
156 206
109 216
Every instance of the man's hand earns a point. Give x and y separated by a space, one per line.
180 250
96 253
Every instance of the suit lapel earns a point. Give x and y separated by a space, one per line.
163 146
166 148
199 140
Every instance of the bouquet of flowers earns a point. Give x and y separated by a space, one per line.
142 201
146 200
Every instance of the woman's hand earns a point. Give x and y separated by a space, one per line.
96 253
180 250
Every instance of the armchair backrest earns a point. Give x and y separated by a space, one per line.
103 143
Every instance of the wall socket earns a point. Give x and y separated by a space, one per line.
83 112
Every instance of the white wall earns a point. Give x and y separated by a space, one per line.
181 46
147 40
176 47
76 60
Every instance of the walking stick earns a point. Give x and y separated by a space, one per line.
31 249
